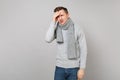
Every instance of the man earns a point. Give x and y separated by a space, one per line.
71 43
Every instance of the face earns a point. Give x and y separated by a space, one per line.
63 17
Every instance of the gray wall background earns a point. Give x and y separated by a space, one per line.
24 55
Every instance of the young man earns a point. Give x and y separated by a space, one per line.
71 43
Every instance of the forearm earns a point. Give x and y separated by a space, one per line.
50 35
83 52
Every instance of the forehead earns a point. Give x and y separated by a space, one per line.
62 11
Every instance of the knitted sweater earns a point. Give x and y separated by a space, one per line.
61 57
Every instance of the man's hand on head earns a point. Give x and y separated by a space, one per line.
55 16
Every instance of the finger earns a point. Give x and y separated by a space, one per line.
78 79
56 14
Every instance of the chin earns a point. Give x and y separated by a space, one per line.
63 23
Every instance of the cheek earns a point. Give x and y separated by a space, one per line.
65 18
58 19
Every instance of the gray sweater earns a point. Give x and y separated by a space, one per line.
61 57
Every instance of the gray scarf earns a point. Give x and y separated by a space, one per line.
71 44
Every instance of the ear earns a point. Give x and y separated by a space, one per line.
68 15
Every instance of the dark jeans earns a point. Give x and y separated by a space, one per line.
65 73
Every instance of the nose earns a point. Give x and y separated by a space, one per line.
60 18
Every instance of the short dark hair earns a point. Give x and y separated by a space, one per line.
61 8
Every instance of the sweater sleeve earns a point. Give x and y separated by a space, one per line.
50 35
83 48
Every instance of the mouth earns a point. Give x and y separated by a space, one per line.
61 21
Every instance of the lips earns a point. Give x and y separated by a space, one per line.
61 21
